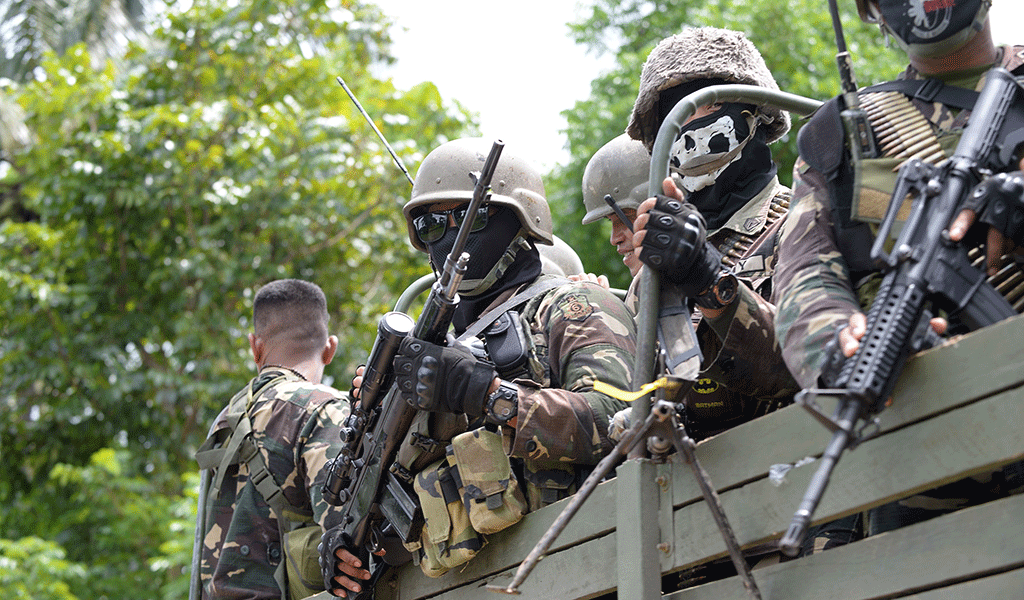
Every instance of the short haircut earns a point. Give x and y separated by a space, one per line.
292 312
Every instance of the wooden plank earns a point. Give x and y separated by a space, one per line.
997 587
585 571
934 381
952 445
950 550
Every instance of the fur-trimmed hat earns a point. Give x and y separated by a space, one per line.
701 53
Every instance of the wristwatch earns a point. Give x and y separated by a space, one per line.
721 292
502 404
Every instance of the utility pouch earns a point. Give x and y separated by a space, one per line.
429 435
507 345
489 488
302 561
550 484
448 538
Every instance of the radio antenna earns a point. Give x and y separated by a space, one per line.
398 161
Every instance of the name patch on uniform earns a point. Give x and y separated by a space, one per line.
576 307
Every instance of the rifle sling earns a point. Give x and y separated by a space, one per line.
534 289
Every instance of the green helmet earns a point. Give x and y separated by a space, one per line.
560 259
620 169
444 176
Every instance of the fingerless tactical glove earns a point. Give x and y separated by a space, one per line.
442 378
676 246
999 202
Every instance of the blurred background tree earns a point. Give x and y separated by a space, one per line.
154 172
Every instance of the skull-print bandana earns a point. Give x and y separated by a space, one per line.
707 145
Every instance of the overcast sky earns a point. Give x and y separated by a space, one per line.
514 64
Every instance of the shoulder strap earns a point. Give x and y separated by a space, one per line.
534 289
234 445
929 90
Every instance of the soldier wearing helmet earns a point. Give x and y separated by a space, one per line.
716 226
530 345
826 279
619 170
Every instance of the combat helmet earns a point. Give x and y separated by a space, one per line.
443 176
560 259
621 169
702 53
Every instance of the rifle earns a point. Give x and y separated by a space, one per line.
926 271
362 477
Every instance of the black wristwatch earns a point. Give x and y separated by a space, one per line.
503 404
721 293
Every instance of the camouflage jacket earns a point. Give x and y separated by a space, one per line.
295 426
821 279
577 332
743 375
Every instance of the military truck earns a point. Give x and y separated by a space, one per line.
955 412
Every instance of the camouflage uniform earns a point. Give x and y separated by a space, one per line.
743 375
825 275
578 332
295 426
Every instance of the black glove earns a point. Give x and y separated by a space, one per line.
999 202
333 539
442 378
676 246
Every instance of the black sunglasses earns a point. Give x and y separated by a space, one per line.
432 226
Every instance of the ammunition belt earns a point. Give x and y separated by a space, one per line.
735 245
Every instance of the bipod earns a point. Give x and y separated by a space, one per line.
661 422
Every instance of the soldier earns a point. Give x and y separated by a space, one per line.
540 341
825 277
723 236
618 170
266 454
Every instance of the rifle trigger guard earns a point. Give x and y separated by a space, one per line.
869 430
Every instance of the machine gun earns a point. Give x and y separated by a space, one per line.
361 478
925 271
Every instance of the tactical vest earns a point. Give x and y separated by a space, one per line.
297 574
497 336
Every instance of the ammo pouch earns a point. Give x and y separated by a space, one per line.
470 492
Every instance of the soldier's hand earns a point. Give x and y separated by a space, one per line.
357 381
851 335
601 280
671 238
442 378
351 567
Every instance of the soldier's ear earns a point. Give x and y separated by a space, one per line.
329 349
257 347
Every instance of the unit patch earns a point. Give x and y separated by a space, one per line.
576 307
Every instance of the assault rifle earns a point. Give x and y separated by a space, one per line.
361 478
925 271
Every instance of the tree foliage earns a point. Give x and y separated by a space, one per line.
148 206
795 37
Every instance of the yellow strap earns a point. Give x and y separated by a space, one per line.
610 390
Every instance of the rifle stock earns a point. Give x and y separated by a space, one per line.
360 478
925 270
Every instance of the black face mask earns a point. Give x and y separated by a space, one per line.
931 28
485 247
